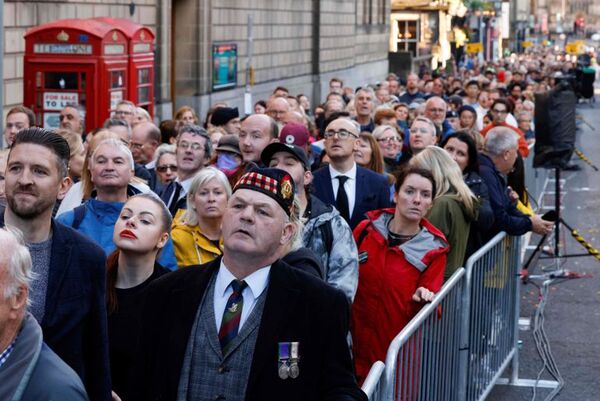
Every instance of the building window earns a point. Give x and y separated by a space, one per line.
371 12
407 38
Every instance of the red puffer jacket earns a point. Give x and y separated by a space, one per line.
387 281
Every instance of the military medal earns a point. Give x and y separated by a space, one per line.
284 355
284 370
294 369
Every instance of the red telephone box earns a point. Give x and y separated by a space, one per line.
85 61
141 61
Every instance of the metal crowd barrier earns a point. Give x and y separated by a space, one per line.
490 323
373 385
422 362
456 347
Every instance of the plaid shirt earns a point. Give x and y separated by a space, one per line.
6 353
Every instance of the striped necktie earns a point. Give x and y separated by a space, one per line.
233 313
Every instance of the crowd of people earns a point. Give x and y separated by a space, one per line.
274 255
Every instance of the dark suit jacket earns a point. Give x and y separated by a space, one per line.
165 194
372 192
153 182
299 307
74 323
506 215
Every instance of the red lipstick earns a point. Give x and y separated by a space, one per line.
127 234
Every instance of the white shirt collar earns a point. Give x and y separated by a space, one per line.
351 174
185 184
257 281
151 165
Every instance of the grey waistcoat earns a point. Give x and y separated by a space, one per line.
207 374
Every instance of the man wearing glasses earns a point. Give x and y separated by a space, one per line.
435 110
500 110
192 153
354 190
125 111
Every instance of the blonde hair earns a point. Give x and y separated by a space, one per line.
297 221
73 139
202 177
448 176
144 113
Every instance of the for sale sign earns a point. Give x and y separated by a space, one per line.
58 100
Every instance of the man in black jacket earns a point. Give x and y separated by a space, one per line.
247 326
68 293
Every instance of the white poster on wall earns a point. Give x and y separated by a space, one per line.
115 98
58 100
51 120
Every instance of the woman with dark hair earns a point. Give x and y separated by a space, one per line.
141 231
403 250
462 149
260 107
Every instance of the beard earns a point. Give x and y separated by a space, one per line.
32 210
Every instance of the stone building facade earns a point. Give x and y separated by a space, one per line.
299 44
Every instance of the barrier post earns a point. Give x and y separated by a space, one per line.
373 384
421 362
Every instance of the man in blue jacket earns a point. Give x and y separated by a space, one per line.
68 294
500 152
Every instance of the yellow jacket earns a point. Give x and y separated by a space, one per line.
191 246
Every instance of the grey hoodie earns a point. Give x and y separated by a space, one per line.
33 372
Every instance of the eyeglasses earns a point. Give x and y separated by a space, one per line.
503 111
185 145
163 169
123 112
136 145
342 134
391 139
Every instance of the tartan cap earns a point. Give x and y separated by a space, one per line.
273 182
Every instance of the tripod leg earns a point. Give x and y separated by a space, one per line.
557 200
588 247
535 251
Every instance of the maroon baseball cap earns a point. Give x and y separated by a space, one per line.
294 134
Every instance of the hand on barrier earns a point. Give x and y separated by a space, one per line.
422 294
541 226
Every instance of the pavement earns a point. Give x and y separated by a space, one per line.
572 313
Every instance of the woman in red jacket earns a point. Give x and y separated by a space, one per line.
402 265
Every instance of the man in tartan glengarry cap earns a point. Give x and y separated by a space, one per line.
248 326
